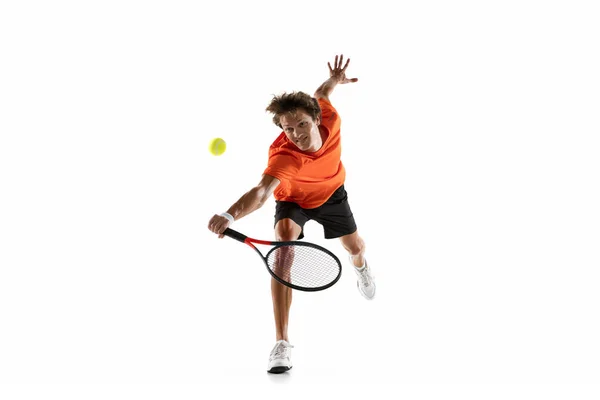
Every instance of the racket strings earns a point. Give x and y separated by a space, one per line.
303 266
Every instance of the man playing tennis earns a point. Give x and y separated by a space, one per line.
306 176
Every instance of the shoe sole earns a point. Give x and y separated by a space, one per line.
279 370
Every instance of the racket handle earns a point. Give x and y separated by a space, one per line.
235 235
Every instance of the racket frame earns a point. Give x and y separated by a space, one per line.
277 244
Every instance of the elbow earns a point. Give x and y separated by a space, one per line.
264 189
261 195
321 95
264 198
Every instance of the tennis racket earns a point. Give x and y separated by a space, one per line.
299 265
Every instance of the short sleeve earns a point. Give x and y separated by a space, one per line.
329 116
283 165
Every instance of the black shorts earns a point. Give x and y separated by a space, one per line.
335 215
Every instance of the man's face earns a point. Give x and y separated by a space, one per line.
301 130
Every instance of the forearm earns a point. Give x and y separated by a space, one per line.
249 202
326 87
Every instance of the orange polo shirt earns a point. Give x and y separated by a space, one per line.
309 179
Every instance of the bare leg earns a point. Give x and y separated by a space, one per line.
354 245
285 230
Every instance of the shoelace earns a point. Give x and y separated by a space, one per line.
365 280
281 351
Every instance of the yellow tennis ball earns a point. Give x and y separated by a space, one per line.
217 146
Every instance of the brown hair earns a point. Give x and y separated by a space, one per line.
290 102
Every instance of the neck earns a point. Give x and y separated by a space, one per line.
317 146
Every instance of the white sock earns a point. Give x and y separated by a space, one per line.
360 268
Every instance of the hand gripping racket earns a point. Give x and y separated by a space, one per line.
299 265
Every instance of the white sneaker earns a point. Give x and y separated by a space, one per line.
280 359
365 283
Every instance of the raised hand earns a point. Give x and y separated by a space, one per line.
338 73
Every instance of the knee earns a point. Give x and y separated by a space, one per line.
287 230
356 247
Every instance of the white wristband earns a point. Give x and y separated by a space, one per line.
228 216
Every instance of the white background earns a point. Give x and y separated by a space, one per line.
472 152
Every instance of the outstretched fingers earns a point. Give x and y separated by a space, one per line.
346 66
339 69
338 64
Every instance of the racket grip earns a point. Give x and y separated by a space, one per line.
235 235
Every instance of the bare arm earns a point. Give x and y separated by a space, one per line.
337 75
254 198
249 202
